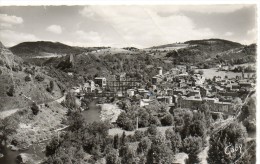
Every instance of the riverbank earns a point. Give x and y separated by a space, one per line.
37 128
109 112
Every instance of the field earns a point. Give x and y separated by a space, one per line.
210 73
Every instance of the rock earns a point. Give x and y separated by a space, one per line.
1 155
13 148
25 158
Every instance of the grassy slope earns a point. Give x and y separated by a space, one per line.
33 89
212 51
35 128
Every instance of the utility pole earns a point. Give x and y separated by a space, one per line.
137 123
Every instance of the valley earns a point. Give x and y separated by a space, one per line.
94 102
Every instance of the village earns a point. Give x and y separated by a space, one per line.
181 87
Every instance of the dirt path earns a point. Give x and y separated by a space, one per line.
9 112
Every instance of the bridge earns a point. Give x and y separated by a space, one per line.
113 87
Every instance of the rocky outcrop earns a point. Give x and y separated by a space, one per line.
7 58
25 158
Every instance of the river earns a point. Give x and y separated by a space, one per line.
90 115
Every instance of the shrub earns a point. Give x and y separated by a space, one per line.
152 130
27 78
11 91
39 78
35 109
29 71
50 88
138 135
1 62
154 120
167 120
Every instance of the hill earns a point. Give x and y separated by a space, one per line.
211 51
38 52
41 48
170 46
89 65
21 84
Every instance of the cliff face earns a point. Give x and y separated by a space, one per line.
7 58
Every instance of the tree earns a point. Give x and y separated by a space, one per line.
112 157
167 120
39 77
8 127
192 146
51 87
143 118
125 122
116 141
152 130
205 109
35 108
128 157
154 120
138 135
144 145
27 78
123 138
76 121
159 152
222 143
11 91
175 139
51 147
70 103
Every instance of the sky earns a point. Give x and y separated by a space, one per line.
126 25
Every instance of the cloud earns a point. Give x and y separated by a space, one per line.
90 38
7 21
206 9
252 31
144 27
11 38
10 19
56 29
229 33
87 12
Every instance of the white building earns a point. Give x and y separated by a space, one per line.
101 81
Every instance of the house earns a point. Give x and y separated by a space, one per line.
203 91
193 93
145 102
157 79
198 79
192 102
168 91
182 68
245 84
101 81
89 86
131 92
165 99
174 71
160 70
179 91
143 92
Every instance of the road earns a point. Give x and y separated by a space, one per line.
9 112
